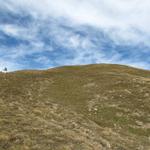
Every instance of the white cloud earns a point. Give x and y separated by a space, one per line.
124 21
120 15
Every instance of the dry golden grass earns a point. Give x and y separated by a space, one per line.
93 107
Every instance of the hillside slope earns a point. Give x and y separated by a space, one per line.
93 107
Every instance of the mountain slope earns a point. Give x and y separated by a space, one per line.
72 108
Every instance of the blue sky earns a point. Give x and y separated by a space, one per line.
40 34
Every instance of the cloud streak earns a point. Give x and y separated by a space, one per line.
42 34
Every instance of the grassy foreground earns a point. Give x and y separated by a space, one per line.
93 107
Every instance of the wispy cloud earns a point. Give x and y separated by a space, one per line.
42 34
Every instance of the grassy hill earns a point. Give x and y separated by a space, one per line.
93 107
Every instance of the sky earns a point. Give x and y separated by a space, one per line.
41 34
